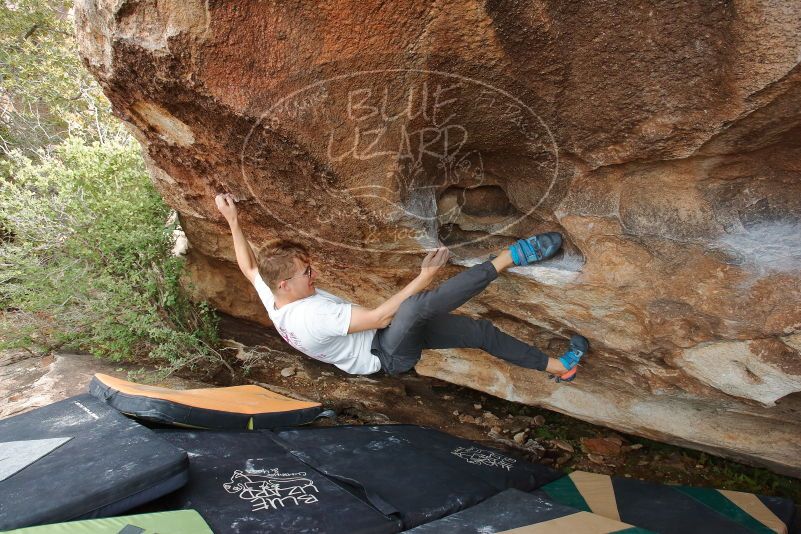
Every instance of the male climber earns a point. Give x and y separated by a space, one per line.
391 336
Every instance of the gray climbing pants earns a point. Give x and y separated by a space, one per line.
424 321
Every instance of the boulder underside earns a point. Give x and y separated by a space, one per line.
662 140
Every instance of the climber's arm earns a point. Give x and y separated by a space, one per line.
244 254
381 316
367 319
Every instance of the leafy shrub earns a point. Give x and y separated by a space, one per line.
45 93
86 260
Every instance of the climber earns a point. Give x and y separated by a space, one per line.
391 336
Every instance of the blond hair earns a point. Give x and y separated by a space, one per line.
274 260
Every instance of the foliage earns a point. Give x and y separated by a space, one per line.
46 95
89 262
85 257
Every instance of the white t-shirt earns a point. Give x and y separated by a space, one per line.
318 327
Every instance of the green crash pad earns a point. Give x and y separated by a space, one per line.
180 522
672 509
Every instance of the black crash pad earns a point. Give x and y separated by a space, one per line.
242 482
81 459
515 509
419 473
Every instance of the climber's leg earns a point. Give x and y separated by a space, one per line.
399 345
457 331
450 294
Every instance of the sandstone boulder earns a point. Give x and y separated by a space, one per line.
662 139
29 381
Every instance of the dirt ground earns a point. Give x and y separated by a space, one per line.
259 356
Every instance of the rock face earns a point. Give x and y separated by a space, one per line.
29 381
662 140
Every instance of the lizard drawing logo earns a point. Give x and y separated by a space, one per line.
272 489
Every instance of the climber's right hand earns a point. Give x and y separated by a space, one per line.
227 206
433 261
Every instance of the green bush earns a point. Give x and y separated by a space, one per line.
46 95
84 250
86 260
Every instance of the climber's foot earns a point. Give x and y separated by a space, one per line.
571 358
536 248
567 377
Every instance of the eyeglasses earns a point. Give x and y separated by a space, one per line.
307 273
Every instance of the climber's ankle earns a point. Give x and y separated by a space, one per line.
555 367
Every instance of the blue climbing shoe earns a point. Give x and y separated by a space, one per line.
537 248
570 359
